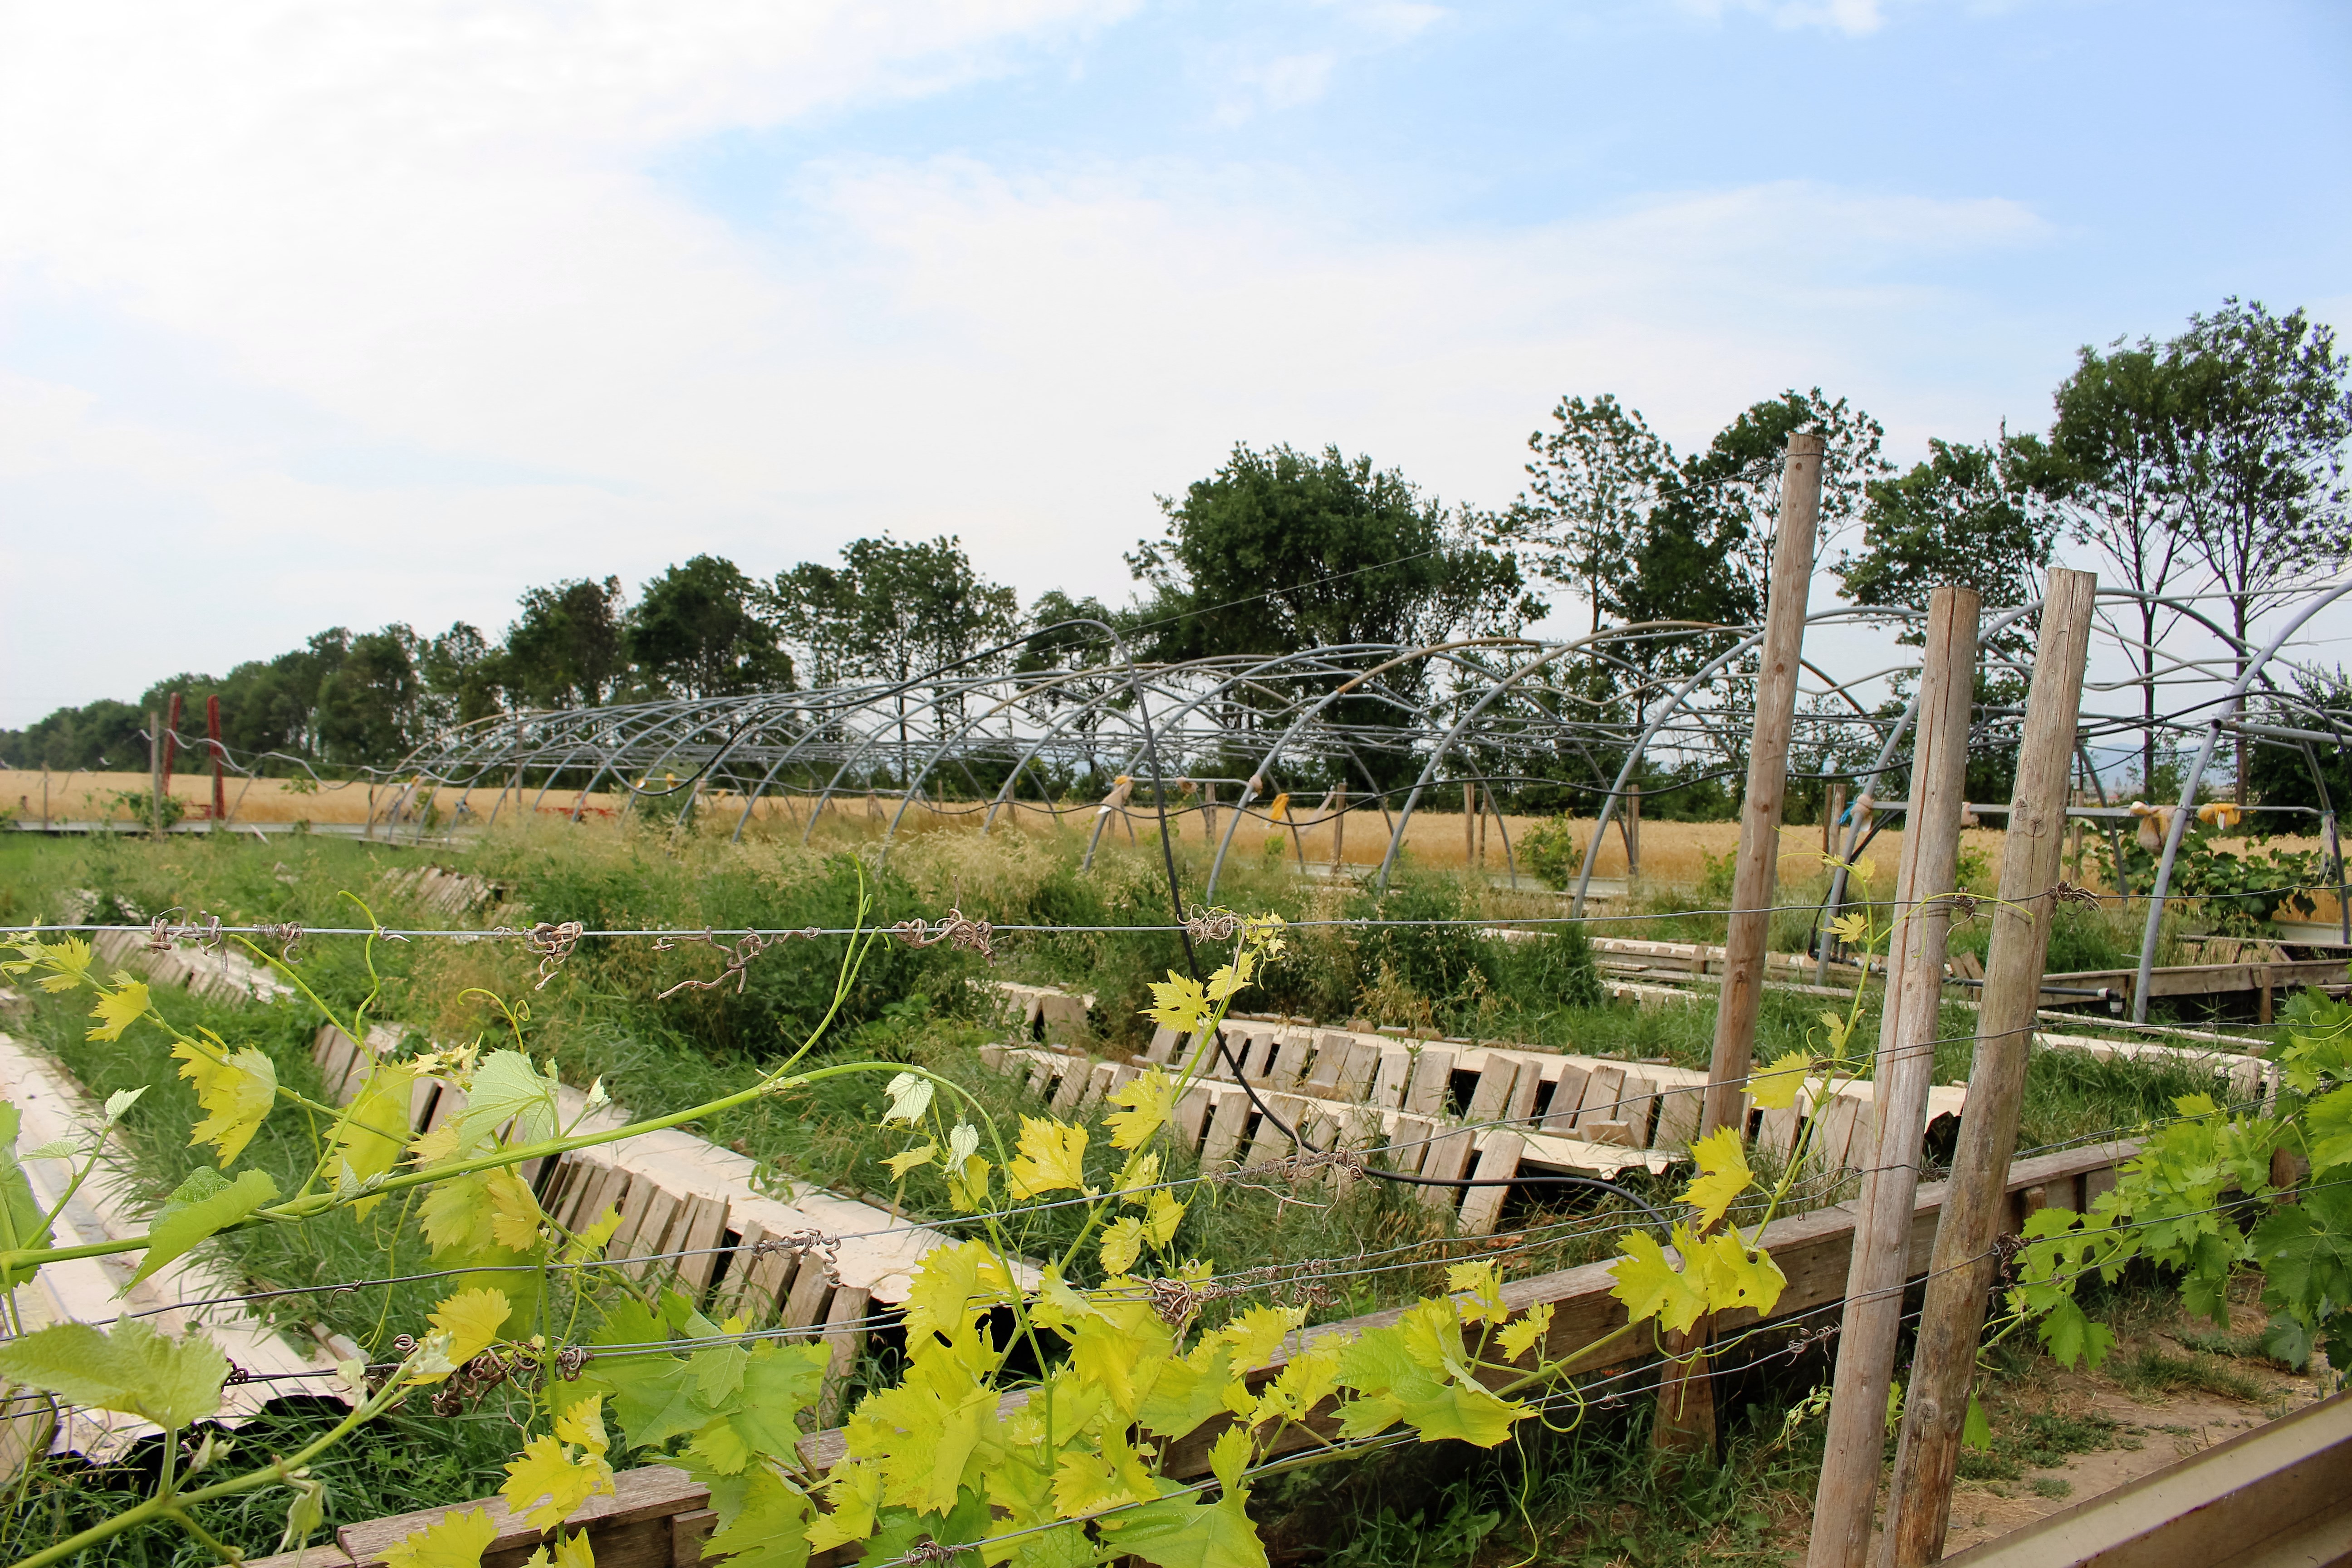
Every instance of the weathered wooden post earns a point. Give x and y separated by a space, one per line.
1470 827
1960 1273
1633 820
1830 812
155 773
1906 1067
1338 827
1685 1419
212 737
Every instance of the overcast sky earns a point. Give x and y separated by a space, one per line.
316 313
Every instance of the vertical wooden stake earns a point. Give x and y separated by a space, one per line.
1632 833
1830 815
1208 815
155 773
1486 809
1960 1273
1906 1066
2335 853
212 734
1469 825
1685 1419
1339 825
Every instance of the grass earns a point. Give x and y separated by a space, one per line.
602 1016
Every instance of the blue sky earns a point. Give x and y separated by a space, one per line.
314 315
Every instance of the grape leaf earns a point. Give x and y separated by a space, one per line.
1976 1427
913 1159
1178 1003
1176 1532
1650 1285
133 1370
514 1212
2329 1126
1150 1101
1484 1286
1052 1157
1122 1244
1723 1174
458 1542
237 1089
472 1320
1517 1338
768 1528
1160 1220
199 1206
548 1482
369 1138
949 1285
1775 1087
909 1095
2071 1337
506 1087
117 1009
1414 1371
592 1242
19 1212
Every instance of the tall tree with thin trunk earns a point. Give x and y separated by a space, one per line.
2270 416
1594 478
2118 466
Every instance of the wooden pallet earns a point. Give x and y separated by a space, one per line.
225 977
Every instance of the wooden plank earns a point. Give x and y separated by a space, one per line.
1391 1078
1409 1142
1225 1124
649 1493
1356 1074
1163 1045
1499 1160
845 1332
1433 1081
1567 1098
1330 1059
1604 1088
1269 1145
1678 1115
653 1229
1077 1072
1520 1108
1191 1115
1448 1156
702 1225
1291 1049
1639 1105
805 1306
1493 1096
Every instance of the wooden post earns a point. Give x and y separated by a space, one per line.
2335 853
211 735
1906 1067
1632 833
1470 827
1830 815
1960 1273
1208 815
1685 1417
155 773
1754 874
1339 825
1486 806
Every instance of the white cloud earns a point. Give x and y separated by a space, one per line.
512 354
1854 18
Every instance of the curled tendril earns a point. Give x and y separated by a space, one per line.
1212 925
551 942
955 927
290 933
739 957
2066 892
806 1243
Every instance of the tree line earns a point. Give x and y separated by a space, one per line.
2207 463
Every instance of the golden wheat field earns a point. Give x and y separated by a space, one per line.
1672 854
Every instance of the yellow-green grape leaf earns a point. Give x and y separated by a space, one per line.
514 1212
117 1009
18 1207
1853 928
508 1086
909 1095
1149 1101
548 1482
1136 1182
1122 1244
205 1203
132 1369
1114 1473
572 1551
1255 1333
1161 1218
590 1242
458 1542
1650 1285
949 1285
1232 979
1413 1372
237 1089
583 1422
472 1320
1736 1277
69 960
1178 1003
1306 1380
1522 1334
1775 1087
968 1185
375 1130
456 1213
1056 1306
1484 1286
913 1159
767 1529
1723 1174
1188 1392
1052 1157
856 1492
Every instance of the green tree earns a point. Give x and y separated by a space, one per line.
2270 413
1284 550
1704 550
1053 646
463 672
891 611
569 647
2120 465
1966 515
699 631
1592 485
368 709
